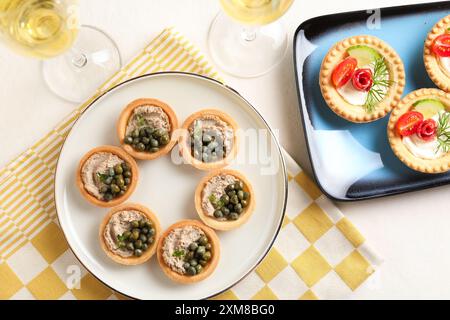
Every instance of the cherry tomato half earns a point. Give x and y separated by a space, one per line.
441 45
409 123
344 72
427 130
362 79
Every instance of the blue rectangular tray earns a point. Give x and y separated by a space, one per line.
354 161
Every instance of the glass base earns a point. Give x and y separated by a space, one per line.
246 51
77 74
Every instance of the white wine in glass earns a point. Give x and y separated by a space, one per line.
76 59
248 40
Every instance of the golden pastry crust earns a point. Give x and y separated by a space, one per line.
122 124
122 155
422 165
207 270
184 138
227 224
130 261
436 73
334 100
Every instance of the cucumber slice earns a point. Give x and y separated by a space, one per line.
429 107
364 54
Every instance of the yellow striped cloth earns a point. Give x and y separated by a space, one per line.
318 254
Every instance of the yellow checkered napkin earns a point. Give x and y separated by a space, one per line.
318 253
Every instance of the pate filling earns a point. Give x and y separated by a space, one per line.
148 116
444 64
177 243
215 187
119 223
94 168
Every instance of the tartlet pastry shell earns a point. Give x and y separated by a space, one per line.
122 155
207 270
437 75
122 124
185 150
131 261
218 224
422 165
332 97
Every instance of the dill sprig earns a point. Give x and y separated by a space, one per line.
380 84
443 132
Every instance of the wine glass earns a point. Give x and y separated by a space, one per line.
248 41
76 60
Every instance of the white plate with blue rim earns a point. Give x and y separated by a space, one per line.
167 186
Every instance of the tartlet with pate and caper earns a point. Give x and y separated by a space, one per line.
209 139
419 131
188 251
362 78
436 54
146 129
224 199
129 234
107 176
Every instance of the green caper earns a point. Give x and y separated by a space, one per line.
164 140
239 185
127 181
208 246
127 174
108 196
193 246
151 231
124 188
118 169
198 268
126 235
115 188
225 199
218 214
246 195
231 194
138 252
138 244
186 265
200 251
144 247
135 234
110 172
193 262
154 143
226 211
234 216
135 224
203 262
154 150
141 223
142 132
145 140
244 203
128 140
234 200
140 146
189 256
143 238
148 224
238 208
207 256
130 246
203 240
120 182
240 195
104 189
122 192
135 133
150 240
122 245
191 271
125 166
229 188
108 180
144 230
159 133
149 131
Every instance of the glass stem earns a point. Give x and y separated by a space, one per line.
249 33
79 59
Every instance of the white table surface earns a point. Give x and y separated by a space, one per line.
410 231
